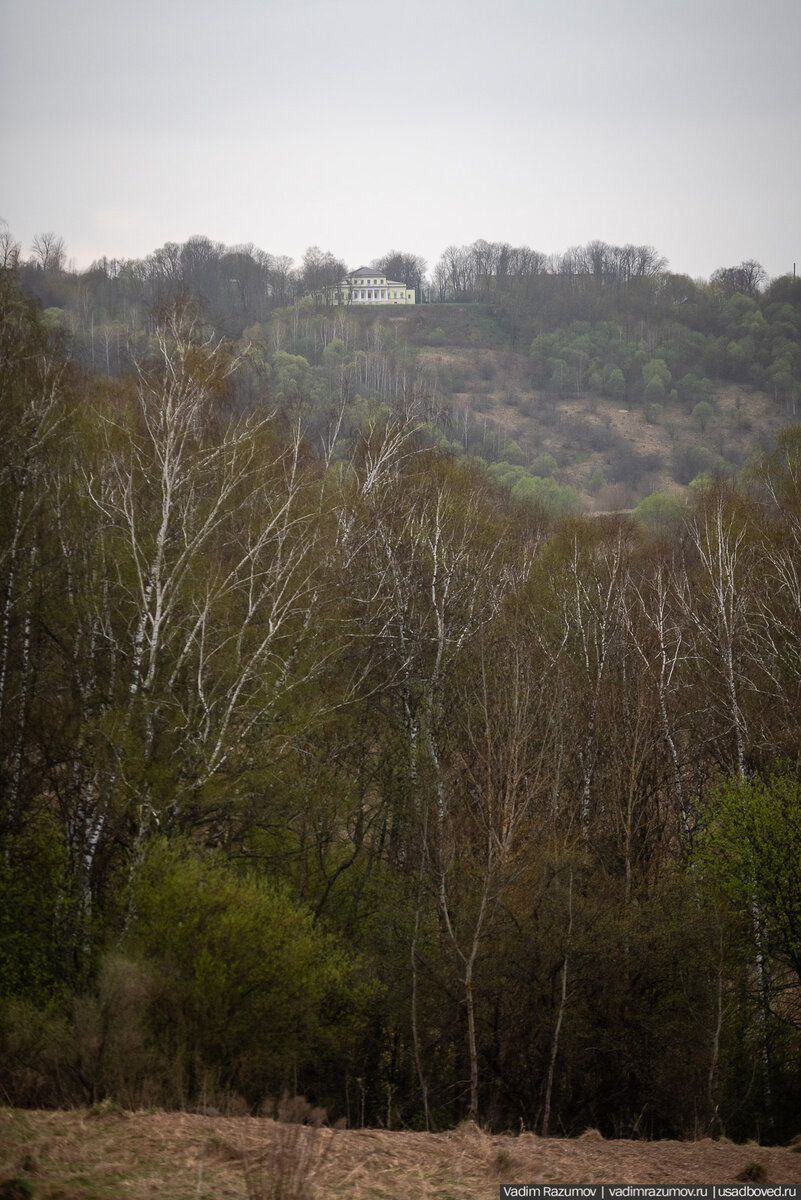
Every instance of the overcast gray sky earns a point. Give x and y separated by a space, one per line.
366 125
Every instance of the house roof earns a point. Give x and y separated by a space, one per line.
367 273
371 272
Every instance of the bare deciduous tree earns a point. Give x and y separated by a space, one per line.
49 251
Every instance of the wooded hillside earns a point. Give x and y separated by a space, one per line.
335 760
591 379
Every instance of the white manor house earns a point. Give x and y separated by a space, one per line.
369 286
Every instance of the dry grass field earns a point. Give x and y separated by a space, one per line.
85 1155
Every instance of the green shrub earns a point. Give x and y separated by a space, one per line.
659 512
544 465
32 962
690 461
595 482
246 986
556 499
702 414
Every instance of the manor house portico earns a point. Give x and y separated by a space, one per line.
368 286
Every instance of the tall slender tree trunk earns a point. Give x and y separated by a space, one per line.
546 1115
418 1060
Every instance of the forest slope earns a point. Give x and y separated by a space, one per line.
598 375
342 767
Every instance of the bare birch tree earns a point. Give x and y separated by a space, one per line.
202 597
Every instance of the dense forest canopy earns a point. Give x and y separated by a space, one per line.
340 752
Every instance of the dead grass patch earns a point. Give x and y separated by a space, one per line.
186 1156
